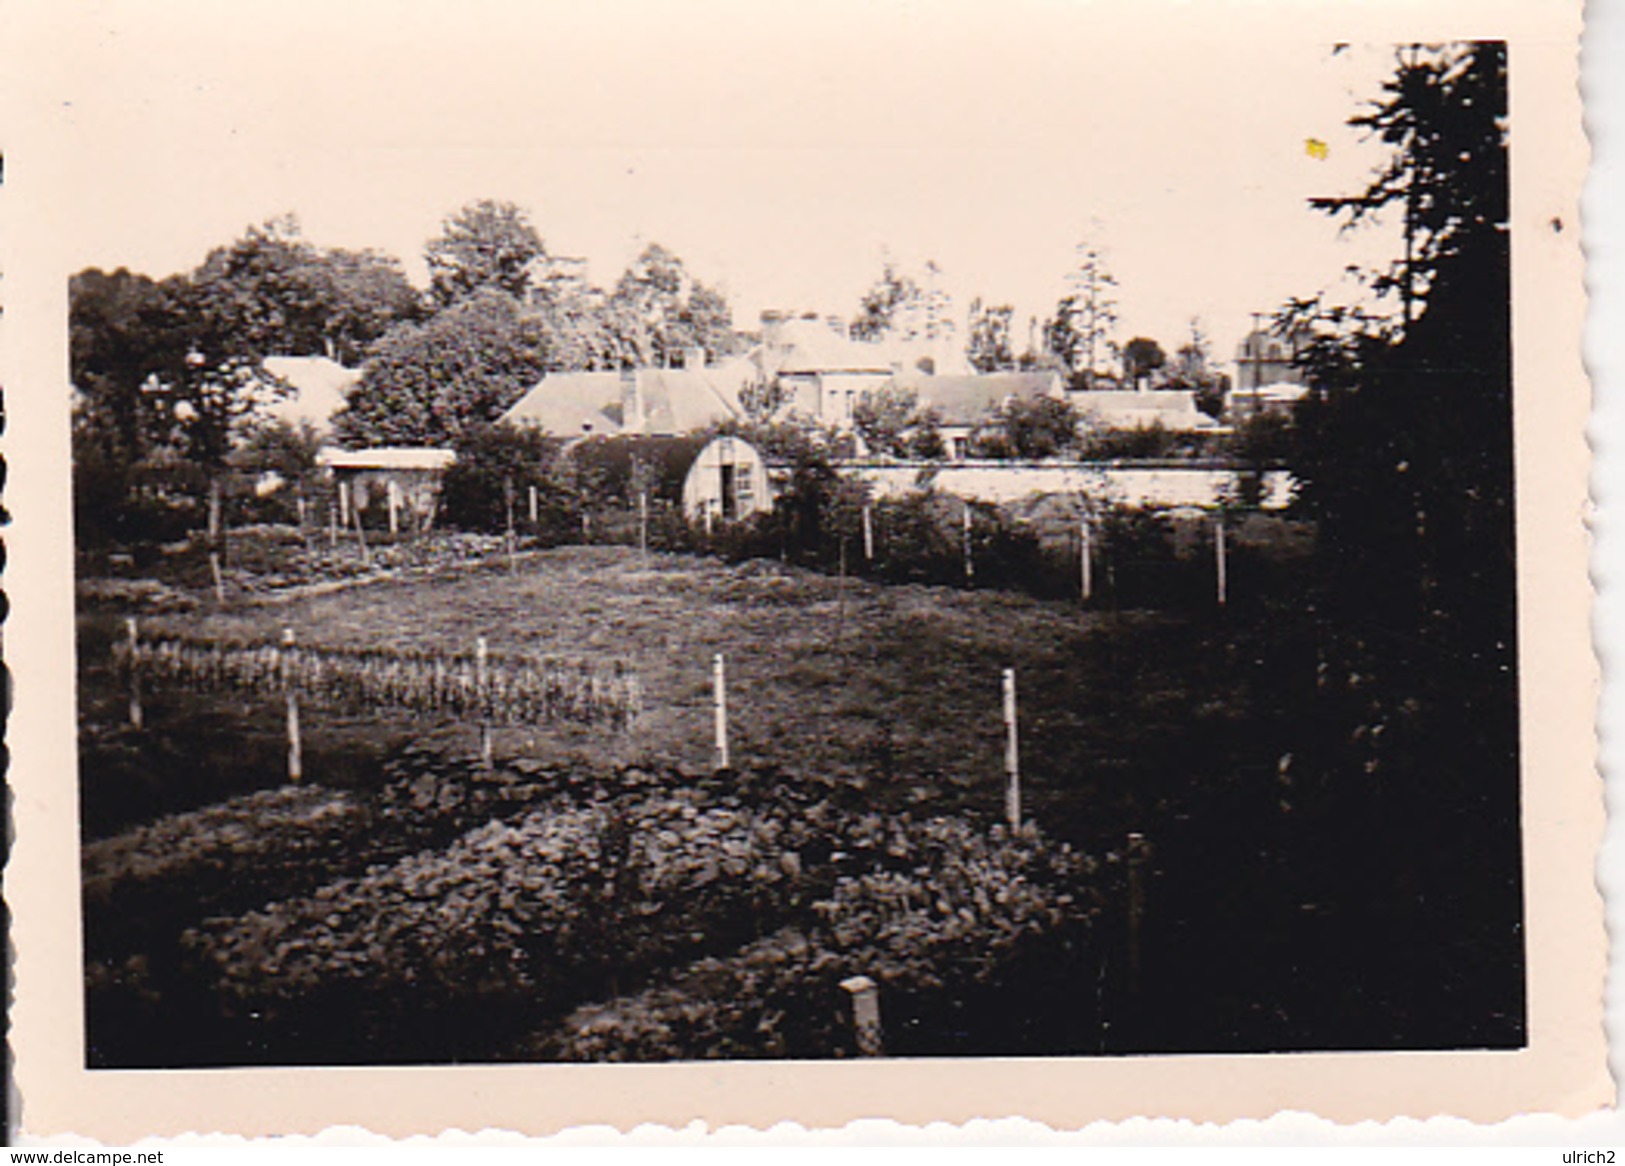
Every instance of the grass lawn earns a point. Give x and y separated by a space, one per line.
894 686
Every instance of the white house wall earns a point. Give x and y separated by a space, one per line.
1007 481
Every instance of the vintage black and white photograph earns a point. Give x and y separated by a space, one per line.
604 541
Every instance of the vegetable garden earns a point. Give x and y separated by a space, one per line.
588 886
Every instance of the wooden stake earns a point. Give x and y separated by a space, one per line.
1219 557
332 526
1086 566
135 672
719 687
535 507
481 677
219 580
361 537
868 535
1137 853
394 493
296 752
643 525
507 498
865 997
1012 753
344 502
970 562
214 509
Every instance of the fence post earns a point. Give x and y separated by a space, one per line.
1219 556
296 752
868 535
1012 753
865 997
535 507
507 500
344 502
970 562
719 687
219 580
332 526
481 679
135 671
1138 851
1086 566
393 493
643 526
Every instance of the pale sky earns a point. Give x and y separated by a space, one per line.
781 150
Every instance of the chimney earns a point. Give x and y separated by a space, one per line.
772 328
836 325
631 401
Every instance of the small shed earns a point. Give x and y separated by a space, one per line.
727 481
393 479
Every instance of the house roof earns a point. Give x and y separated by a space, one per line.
570 404
319 386
812 346
1127 409
968 399
1277 391
387 458
674 400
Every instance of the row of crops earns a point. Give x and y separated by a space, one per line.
469 686
544 912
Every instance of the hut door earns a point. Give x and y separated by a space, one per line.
730 504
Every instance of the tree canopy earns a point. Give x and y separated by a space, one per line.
486 244
428 383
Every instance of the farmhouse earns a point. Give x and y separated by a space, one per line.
963 404
649 401
316 389
1120 409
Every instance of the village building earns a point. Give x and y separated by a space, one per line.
403 483
728 481
317 388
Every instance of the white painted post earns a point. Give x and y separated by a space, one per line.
643 525
135 671
868 535
481 679
344 502
1086 566
299 501
1219 555
719 686
296 752
1012 752
394 493
332 527
535 506
970 562
865 997
219 580
705 511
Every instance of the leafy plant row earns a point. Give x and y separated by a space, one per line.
537 914
446 953
503 691
954 921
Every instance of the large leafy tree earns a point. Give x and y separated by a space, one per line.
883 303
1081 331
429 383
278 293
1408 458
1142 356
1405 460
987 340
658 312
486 244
